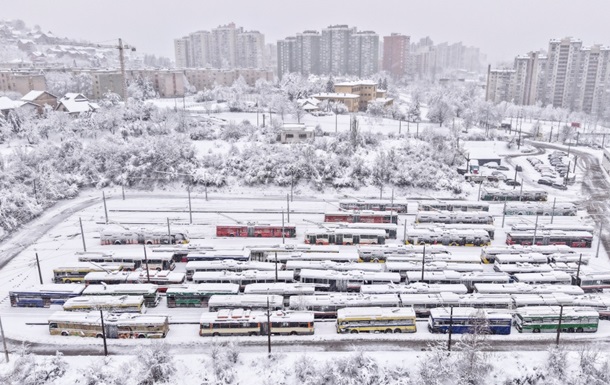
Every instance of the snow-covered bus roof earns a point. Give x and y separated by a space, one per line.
485 277
122 288
548 227
432 266
294 248
456 203
342 231
54 288
414 288
482 300
103 300
246 315
228 264
343 299
374 313
594 275
523 267
246 300
362 225
337 257
242 275
467 312
552 276
389 249
542 299
520 249
280 288
446 275
526 288
520 258
438 299
93 318
336 266
353 275
204 288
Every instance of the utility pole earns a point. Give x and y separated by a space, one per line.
103 333
39 272
450 331
599 240
169 233
503 214
188 189
404 233
423 262
105 208
578 270
535 230
3 341
553 212
268 327
123 191
559 325
146 262
275 267
82 234
288 203
283 235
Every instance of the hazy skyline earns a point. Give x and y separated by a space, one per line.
502 29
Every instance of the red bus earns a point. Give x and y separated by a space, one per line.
361 217
256 230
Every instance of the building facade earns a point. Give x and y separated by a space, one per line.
396 54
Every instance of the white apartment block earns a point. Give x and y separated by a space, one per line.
561 72
201 48
251 50
307 54
182 51
334 48
363 59
500 85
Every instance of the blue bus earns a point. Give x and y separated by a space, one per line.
468 320
45 295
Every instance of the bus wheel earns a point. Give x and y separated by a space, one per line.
397 331
353 331
258 235
117 242
250 334
579 330
570 330
388 331
536 330
67 281
376 260
99 335
215 334
293 333
65 333
141 336
231 235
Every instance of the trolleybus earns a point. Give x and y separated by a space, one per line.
345 236
397 206
257 230
376 320
541 319
246 301
114 304
244 322
468 320
198 295
326 305
147 290
45 295
126 325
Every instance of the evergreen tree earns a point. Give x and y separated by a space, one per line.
330 84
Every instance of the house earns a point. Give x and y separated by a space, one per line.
356 95
310 104
75 104
7 105
296 132
41 99
351 101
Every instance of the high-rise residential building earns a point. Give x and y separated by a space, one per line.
592 78
561 72
396 54
307 53
286 56
201 49
363 56
250 49
225 45
182 50
334 48
500 85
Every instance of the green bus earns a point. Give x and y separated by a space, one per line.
545 319
198 295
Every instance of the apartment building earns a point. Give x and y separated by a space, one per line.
500 85
396 54
21 82
563 61
307 54
334 49
182 52
286 56
363 58
251 49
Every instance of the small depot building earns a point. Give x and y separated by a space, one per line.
296 132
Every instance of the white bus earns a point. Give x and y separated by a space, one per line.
549 226
490 229
326 305
453 206
551 299
262 252
149 291
489 253
447 217
244 322
114 304
142 236
522 267
447 237
470 279
398 206
246 301
193 267
541 208
403 267
376 320
553 277
334 257
486 301
433 277
525 288
422 303
599 302
380 253
243 278
286 290
198 295
414 288
533 258
297 266
345 237
329 280
76 272
154 261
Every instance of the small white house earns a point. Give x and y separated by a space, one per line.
296 132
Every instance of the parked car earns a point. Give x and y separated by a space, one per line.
503 168
559 186
545 181
512 182
499 175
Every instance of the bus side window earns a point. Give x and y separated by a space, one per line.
52 325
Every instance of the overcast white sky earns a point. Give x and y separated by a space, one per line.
501 28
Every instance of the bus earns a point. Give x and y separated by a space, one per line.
193 267
594 281
525 288
126 325
600 303
376 320
154 261
523 267
112 278
489 253
361 216
532 258
286 290
345 236
552 237
397 206
114 304
198 295
496 195
551 299
142 237
414 288
218 255
297 266
553 278
341 281
453 206
257 230
471 279
491 229
326 305
45 295
180 251
243 278
433 277
541 208
246 301
546 319
148 291
448 237
284 258
244 322
448 217
486 301
76 272
164 279
390 229
262 253
379 253
422 303
550 226
469 320
402 267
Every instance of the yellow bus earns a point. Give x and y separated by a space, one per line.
113 303
376 320
76 272
125 325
